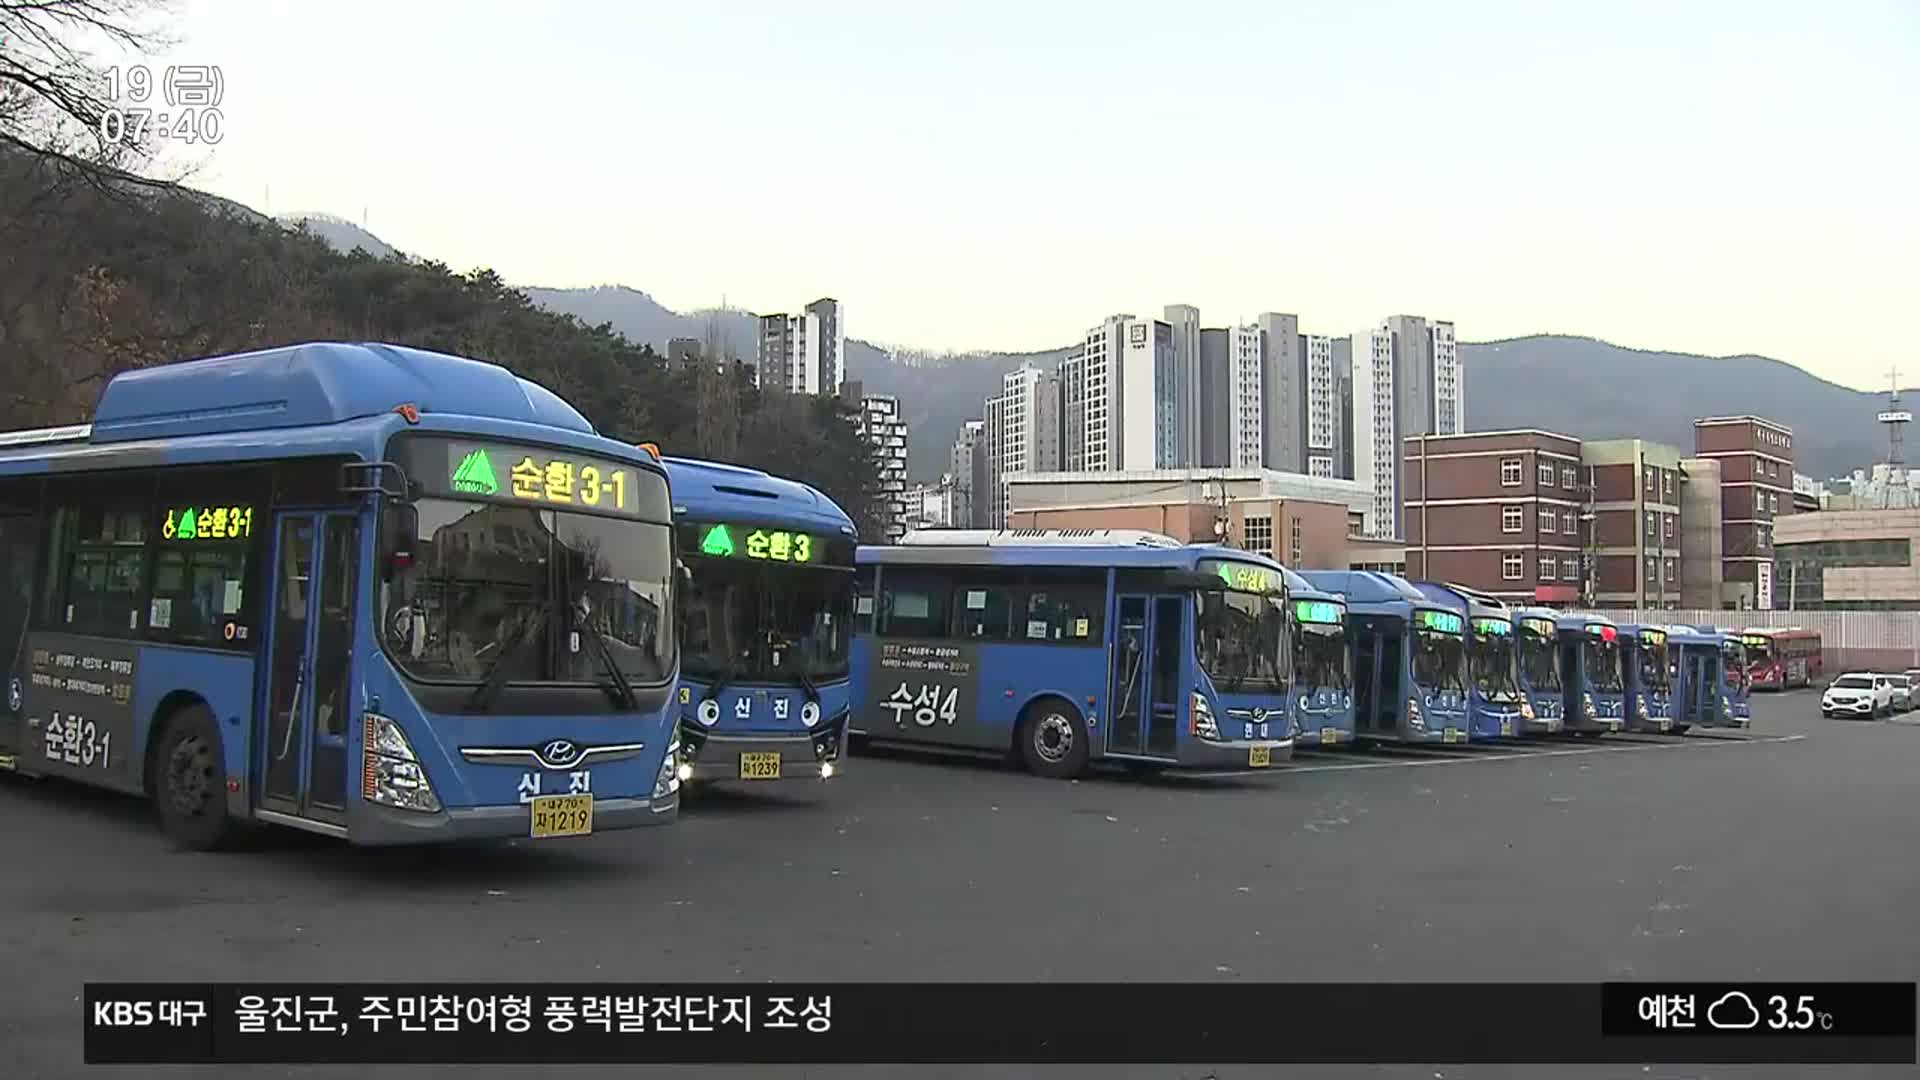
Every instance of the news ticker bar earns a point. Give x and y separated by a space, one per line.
993 1024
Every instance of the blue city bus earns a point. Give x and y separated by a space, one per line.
1496 708
372 592
1537 650
1409 658
1592 668
1649 665
1700 688
1736 674
1322 666
1066 647
766 625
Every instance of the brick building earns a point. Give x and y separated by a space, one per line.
1499 511
1756 485
1635 536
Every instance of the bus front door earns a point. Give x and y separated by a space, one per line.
1146 676
301 749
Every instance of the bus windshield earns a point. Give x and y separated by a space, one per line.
1603 664
1439 660
1540 660
1491 659
1322 657
491 584
748 622
1733 660
1242 640
1654 673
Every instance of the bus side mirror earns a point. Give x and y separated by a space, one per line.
399 527
682 589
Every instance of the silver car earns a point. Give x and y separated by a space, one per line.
1902 692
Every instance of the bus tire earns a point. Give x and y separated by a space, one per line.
188 780
1054 741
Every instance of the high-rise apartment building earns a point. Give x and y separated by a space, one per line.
1407 382
885 430
1280 443
804 353
1022 431
1323 420
1183 384
1343 415
968 450
1152 430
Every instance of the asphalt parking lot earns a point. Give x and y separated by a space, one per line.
1786 851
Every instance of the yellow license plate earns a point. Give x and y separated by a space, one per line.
1329 736
1506 727
759 766
1259 757
562 815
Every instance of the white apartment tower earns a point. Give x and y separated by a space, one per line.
1406 381
804 353
1090 384
1325 417
1027 415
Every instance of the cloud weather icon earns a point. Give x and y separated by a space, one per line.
1734 1011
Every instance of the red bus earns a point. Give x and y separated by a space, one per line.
1781 657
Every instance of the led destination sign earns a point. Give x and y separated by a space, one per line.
189 523
1316 611
533 476
1492 627
1446 622
720 540
1543 627
1243 577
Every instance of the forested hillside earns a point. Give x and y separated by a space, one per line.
100 272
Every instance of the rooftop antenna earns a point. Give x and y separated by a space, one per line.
1895 418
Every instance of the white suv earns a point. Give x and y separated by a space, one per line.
1857 693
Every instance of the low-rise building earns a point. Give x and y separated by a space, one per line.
1498 511
1303 521
1847 560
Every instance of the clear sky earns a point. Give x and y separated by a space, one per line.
1702 177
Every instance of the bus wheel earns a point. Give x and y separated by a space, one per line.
189 781
1053 739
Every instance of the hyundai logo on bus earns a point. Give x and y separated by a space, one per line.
560 753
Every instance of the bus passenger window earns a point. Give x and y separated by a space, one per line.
914 609
1063 614
981 612
106 572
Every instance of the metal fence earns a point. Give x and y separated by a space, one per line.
1848 639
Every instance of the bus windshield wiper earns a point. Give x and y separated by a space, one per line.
496 679
619 688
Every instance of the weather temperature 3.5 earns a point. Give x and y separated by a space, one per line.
1797 1015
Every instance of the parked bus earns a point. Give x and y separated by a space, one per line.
1322 666
1537 650
1071 646
1700 686
1591 665
766 634
1648 662
1409 658
372 592
1736 670
1495 705
1781 658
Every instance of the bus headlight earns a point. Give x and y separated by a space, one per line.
667 780
390 772
1726 705
1526 710
1592 713
1200 718
1641 701
1414 719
